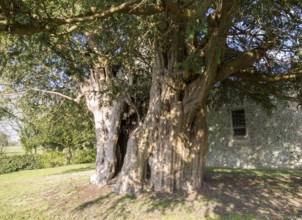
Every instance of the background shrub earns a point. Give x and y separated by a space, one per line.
53 159
86 155
15 163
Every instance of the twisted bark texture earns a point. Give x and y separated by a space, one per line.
107 116
167 151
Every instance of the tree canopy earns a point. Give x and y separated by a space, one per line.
256 43
55 125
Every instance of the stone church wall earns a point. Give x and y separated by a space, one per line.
271 141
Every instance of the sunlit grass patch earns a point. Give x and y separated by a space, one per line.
24 193
65 193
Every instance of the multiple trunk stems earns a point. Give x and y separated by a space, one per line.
167 151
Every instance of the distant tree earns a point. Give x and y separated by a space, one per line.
4 142
55 125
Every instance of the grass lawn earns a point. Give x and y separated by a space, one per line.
18 150
14 150
64 193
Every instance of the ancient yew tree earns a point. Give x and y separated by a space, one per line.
203 52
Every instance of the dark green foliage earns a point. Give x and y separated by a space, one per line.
62 125
86 155
15 163
52 159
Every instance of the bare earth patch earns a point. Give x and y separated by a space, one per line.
223 195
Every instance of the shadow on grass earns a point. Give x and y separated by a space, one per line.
82 169
238 195
165 202
88 204
116 206
266 194
271 173
110 205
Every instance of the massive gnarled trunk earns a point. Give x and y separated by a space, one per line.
107 117
167 151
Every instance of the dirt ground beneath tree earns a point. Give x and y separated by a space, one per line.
225 195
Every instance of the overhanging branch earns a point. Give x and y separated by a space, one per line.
270 90
256 76
77 100
41 24
29 88
241 62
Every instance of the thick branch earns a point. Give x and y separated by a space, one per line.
291 74
254 76
221 21
40 24
88 17
131 7
272 90
240 62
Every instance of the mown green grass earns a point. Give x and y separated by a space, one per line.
23 193
61 193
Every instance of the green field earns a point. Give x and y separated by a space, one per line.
65 193
17 150
14 150
28 194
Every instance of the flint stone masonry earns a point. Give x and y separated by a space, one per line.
271 141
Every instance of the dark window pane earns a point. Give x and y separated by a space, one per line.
239 131
238 121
